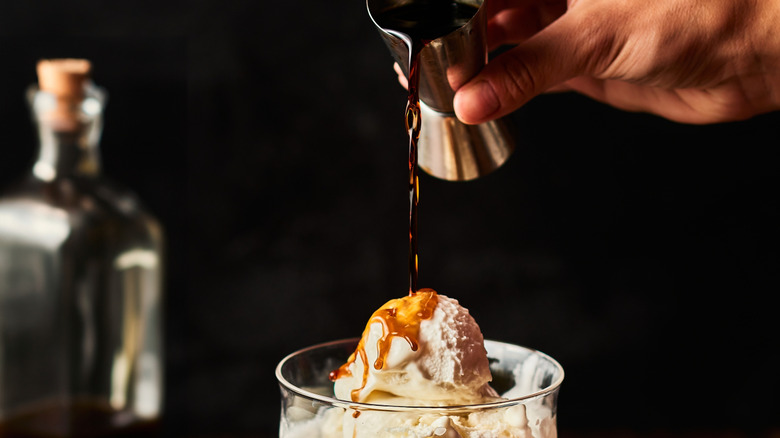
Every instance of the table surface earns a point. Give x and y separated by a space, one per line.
607 433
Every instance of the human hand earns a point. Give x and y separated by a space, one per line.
692 61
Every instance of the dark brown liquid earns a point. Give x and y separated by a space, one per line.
426 20
413 125
76 419
422 22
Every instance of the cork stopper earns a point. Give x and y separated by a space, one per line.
64 78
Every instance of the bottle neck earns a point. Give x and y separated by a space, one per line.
68 135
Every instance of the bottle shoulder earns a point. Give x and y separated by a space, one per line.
95 206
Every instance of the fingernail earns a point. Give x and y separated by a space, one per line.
476 102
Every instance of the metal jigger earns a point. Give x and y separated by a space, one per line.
449 149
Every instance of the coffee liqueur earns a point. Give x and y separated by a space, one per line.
422 22
81 269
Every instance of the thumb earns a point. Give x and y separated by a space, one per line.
552 56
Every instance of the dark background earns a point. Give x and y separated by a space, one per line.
640 253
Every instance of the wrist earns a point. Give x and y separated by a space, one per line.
766 47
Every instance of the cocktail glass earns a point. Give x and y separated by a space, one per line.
528 379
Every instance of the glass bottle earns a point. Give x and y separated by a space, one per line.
81 270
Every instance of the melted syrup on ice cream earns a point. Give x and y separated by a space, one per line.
400 318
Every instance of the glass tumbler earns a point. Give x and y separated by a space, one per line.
528 379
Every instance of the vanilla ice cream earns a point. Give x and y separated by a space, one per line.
425 350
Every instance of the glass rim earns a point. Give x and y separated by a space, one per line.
332 401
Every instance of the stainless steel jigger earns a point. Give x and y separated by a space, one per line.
449 149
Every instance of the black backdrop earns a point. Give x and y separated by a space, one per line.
642 254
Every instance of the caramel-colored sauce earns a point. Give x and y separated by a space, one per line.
400 318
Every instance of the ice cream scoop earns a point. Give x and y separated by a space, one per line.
424 348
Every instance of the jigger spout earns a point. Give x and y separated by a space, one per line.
448 148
